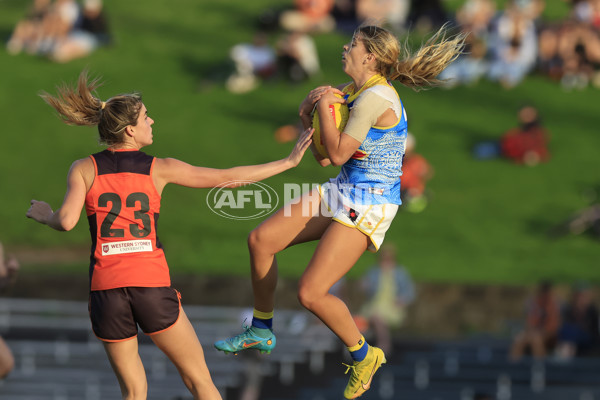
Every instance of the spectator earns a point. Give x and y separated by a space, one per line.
393 12
252 61
27 30
525 144
427 14
549 60
56 25
344 14
310 16
513 46
297 56
474 17
470 66
90 33
579 49
588 12
542 321
532 9
9 267
389 290
579 330
416 171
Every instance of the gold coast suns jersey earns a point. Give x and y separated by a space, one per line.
122 207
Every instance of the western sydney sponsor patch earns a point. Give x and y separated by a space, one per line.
127 246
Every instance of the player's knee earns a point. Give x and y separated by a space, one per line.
197 383
260 242
135 390
307 297
136 393
254 240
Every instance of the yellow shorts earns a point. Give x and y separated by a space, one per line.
371 219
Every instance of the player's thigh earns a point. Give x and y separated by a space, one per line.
299 221
126 363
180 343
337 252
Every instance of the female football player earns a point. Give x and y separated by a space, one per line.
129 278
351 213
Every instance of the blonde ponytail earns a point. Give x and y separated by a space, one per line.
78 106
421 68
418 69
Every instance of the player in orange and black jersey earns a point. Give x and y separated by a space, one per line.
129 278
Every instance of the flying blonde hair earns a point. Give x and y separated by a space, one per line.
77 105
416 69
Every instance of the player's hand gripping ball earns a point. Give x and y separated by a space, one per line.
339 112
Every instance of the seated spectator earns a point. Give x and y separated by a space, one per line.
533 9
578 333
542 321
297 57
427 15
344 14
579 49
309 16
470 66
9 267
588 12
252 62
416 171
392 13
549 60
475 16
513 46
389 289
58 22
27 30
526 144
89 34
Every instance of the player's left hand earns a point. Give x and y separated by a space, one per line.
39 211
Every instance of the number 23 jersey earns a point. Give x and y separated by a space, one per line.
122 207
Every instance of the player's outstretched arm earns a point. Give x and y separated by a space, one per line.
67 216
170 170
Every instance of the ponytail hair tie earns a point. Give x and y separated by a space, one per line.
103 104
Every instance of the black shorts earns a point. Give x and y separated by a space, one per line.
116 313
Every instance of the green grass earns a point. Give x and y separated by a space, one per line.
488 221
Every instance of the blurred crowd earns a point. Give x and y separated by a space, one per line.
61 30
506 45
556 328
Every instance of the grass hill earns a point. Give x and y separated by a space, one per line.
488 221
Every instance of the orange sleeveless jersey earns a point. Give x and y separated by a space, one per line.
122 207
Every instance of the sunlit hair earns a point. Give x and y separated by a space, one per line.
415 69
79 106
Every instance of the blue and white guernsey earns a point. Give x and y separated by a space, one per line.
372 174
